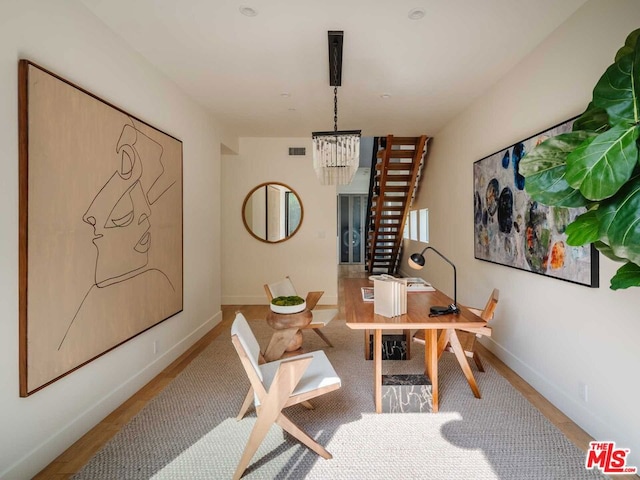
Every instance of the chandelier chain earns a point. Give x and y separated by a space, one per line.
335 88
335 109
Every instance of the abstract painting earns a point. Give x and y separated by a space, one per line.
513 230
100 227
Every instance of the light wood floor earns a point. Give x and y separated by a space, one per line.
70 462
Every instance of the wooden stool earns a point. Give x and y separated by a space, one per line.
287 336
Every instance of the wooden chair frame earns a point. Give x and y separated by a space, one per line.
249 398
278 397
468 336
462 342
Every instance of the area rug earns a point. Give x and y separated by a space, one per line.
189 431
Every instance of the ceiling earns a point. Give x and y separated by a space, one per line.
268 75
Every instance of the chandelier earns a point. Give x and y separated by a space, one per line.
336 154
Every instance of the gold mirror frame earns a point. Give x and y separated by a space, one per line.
248 203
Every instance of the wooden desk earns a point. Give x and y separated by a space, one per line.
360 316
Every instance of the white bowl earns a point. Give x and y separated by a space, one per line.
286 309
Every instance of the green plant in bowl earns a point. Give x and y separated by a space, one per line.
288 301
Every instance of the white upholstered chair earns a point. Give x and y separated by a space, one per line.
277 385
321 317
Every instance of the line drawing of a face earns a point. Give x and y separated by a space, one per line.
119 215
120 212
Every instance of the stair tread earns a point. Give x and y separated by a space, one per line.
396 188
397 153
396 178
397 166
404 140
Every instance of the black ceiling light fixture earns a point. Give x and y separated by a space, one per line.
336 154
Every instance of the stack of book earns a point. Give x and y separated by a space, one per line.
390 296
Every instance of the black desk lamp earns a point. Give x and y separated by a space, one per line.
416 261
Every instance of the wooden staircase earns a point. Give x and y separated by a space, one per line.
397 173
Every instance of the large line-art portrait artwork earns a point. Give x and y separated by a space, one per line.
101 227
512 229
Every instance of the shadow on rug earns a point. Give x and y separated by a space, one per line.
189 431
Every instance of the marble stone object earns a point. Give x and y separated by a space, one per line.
406 394
394 347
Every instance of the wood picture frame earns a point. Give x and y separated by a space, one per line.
513 230
100 226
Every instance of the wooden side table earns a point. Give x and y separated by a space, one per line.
287 336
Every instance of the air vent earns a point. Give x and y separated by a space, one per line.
297 151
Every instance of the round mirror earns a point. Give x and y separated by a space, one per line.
272 212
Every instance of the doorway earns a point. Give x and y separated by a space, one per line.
351 221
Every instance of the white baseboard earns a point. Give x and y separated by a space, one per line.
558 397
47 451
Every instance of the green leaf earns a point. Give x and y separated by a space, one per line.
593 119
615 91
635 77
551 152
605 249
627 276
584 229
544 168
601 165
619 219
629 44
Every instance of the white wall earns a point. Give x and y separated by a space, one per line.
64 37
359 184
309 257
555 334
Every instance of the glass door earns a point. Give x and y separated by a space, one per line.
351 220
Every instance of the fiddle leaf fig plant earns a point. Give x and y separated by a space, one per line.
596 166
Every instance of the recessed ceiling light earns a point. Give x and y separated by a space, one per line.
285 94
416 13
385 96
248 11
